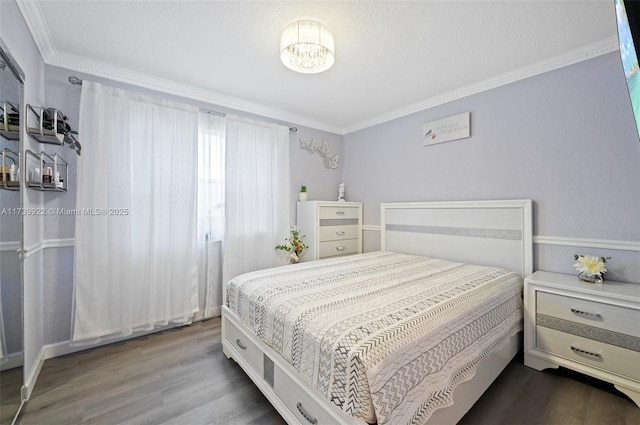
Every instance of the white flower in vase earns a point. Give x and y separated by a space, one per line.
590 268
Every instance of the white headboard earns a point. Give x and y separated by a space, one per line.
490 233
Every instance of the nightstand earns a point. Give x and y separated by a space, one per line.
592 329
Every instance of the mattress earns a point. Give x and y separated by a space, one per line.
385 336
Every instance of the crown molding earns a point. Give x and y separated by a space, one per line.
34 18
104 70
38 27
602 47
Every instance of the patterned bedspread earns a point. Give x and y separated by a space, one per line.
384 333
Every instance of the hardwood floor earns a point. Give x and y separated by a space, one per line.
524 396
10 383
178 376
181 377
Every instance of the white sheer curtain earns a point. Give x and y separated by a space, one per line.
211 177
257 194
136 253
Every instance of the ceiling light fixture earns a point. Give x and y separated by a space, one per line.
307 47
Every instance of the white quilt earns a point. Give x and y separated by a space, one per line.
384 333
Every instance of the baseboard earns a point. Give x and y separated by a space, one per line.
17 415
64 348
69 347
11 361
30 381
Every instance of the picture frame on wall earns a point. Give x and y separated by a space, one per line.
447 129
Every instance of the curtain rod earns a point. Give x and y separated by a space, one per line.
78 82
208 111
222 114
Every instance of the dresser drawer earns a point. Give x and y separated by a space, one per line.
586 351
338 233
334 248
245 347
338 212
606 316
303 406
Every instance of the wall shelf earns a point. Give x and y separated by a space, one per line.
45 172
46 125
9 158
10 121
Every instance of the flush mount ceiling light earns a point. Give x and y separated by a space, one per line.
307 47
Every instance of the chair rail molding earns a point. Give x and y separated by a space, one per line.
9 246
48 243
614 244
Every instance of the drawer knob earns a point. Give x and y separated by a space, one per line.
586 313
340 248
340 233
240 344
339 212
586 353
306 415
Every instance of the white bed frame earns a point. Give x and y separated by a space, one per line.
492 233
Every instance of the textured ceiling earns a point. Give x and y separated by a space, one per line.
389 54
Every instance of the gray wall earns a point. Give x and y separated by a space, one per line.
565 139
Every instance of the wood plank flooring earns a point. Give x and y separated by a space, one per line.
10 383
181 377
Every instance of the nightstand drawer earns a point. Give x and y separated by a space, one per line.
606 316
586 351
337 233
338 212
334 248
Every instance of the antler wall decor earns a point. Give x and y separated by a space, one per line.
323 151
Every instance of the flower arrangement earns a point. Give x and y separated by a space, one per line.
590 268
294 245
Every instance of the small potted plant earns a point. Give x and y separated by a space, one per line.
303 194
293 245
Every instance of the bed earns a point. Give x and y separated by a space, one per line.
414 333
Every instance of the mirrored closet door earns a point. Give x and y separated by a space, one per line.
11 188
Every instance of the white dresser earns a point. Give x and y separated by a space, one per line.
593 329
331 228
